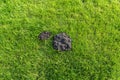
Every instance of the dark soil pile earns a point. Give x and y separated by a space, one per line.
61 42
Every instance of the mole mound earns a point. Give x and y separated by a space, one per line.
61 42
44 35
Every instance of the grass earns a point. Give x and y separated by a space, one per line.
93 25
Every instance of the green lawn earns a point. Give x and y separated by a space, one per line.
93 25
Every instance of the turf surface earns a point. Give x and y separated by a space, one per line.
94 26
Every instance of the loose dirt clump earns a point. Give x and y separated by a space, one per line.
44 35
